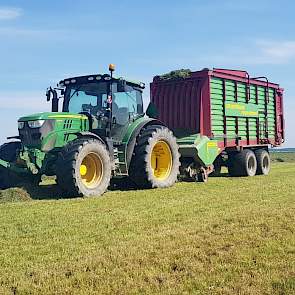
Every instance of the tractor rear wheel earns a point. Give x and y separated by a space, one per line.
155 161
83 168
9 152
263 162
242 163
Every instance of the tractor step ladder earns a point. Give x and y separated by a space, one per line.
120 163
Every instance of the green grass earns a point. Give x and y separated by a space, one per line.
229 236
283 157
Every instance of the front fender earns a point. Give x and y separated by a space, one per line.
108 143
90 134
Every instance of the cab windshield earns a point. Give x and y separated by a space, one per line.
89 97
92 98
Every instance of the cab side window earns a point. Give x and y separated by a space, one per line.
125 105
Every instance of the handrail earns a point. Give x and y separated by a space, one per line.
267 85
248 86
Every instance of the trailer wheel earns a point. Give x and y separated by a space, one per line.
202 176
8 152
242 163
155 161
217 166
263 162
83 168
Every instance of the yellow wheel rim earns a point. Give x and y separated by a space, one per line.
161 160
91 170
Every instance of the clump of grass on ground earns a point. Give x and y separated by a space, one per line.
229 236
14 195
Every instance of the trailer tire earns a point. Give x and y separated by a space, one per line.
8 152
202 176
263 162
242 163
155 161
83 168
217 167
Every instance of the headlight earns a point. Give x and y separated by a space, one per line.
20 125
36 124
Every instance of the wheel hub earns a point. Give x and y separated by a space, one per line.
91 170
83 170
161 160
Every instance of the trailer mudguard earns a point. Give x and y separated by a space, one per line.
200 148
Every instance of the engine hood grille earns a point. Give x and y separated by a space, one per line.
32 137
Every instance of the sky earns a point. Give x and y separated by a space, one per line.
43 42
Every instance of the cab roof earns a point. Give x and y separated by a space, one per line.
98 77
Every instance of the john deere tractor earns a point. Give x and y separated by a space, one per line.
100 133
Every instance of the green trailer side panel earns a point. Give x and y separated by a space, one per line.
246 112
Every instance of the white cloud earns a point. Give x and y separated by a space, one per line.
278 52
8 13
255 52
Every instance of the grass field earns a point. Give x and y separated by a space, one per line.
229 236
283 157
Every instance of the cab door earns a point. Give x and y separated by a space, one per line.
124 111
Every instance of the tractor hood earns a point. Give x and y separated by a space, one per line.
46 131
52 116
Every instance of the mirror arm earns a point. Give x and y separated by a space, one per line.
54 107
54 101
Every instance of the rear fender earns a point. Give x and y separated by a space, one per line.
130 139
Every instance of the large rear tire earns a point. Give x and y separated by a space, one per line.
83 168
9 152
263 162
242 163
155 161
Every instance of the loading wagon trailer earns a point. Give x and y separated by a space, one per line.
221 116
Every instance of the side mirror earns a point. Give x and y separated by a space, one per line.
48 93
152 111
54 98
121 86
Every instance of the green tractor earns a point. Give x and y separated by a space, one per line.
100 133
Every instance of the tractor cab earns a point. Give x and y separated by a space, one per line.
110 104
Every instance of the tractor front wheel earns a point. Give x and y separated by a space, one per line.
83 168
